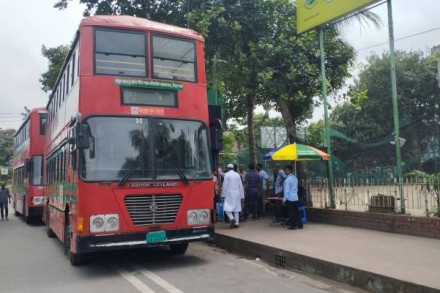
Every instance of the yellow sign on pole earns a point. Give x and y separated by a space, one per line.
313 13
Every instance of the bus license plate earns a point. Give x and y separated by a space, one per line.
156 237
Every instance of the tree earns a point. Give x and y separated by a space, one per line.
229 147
367 116
315 133
417 89
6 146
56 58
266 62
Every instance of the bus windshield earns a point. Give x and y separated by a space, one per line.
149 148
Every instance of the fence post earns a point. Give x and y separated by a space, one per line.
346 199
426 197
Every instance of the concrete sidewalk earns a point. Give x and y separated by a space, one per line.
375 261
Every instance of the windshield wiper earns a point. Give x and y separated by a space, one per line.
126 177
182 176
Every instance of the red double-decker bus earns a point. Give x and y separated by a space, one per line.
28 159
127 152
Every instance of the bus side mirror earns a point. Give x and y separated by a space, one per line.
82 139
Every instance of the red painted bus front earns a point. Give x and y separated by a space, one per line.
28 166
138 174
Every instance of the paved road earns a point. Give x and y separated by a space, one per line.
31 262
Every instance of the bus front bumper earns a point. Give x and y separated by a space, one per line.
36 212
95 243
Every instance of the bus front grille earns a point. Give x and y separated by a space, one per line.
153 209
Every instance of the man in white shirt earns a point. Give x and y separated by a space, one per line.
233 194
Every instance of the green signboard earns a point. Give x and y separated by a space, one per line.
149 84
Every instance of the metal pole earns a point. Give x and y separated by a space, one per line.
395 107
326 120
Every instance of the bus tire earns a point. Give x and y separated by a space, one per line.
67 234
27 220
178 249
75 259
49 231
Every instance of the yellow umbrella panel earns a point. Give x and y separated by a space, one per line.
297 152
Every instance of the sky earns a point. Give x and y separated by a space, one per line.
37 22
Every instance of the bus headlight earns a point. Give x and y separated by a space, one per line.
104 223
112 222
97 223
204 216
198 217
38 200
192 218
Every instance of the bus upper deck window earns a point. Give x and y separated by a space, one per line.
120 53
173 59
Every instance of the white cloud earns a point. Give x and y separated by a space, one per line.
23 33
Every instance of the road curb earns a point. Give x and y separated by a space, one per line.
369 281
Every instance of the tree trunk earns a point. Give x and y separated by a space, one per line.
251 136
290 124
289 121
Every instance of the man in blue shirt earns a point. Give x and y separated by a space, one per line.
253 190
290 199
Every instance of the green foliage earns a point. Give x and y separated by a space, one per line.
229 146
56 58
6 148
417 89
315 133
289 64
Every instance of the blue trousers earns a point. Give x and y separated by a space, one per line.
4 207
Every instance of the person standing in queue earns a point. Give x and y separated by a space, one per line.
279 177
264 188
242 173
5 197
253 190
290 199
233 194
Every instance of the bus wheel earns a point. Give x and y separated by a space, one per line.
178 248
67 234
74 258
49 231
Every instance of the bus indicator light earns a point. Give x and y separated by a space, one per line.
80 225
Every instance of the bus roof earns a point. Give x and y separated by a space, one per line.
131 22
38 110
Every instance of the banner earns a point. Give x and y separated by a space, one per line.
313 13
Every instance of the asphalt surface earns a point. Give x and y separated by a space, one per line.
31 262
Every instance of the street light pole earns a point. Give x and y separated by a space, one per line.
395 106
326 119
